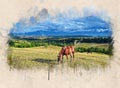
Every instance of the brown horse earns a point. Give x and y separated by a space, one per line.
67 50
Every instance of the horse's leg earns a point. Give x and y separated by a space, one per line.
62 58
67 57
73 55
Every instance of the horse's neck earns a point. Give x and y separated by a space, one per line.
62 51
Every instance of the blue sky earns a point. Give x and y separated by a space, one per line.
65 23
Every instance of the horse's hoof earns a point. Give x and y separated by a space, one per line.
58 62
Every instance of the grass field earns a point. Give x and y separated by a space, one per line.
88 45
40 57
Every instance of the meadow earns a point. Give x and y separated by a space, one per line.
42 56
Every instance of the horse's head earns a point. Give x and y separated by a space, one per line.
61 54
58 58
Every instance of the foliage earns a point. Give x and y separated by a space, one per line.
87 44
32 42
94 49
99 48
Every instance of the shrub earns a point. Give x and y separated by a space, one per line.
94 49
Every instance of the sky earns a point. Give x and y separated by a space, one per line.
70 22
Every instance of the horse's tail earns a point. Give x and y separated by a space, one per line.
73 50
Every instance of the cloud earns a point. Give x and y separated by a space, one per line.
68 21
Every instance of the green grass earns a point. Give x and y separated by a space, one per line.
40 57
88 45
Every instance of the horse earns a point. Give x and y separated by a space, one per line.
66 50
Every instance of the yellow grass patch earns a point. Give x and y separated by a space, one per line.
24 58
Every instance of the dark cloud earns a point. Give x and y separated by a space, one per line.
43 13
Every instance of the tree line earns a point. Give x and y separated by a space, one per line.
29 42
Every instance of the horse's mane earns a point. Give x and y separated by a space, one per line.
63 49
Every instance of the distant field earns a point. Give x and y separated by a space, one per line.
39 57
87 45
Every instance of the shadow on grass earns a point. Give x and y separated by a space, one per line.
46 61
81 62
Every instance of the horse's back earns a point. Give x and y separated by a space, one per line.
68 49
